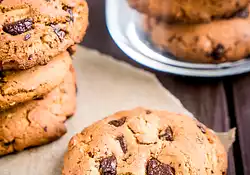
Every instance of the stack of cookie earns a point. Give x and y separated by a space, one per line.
203 31
37 80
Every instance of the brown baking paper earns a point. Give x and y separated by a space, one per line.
105 86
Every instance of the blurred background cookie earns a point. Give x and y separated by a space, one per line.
191 11
219 41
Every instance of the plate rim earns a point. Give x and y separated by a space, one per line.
123 43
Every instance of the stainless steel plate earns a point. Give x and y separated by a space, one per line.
124 26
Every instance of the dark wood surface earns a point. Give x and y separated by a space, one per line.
219 103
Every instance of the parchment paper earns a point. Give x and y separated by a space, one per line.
105 86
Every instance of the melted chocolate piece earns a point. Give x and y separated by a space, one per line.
108 166
18 27
155 167
118 122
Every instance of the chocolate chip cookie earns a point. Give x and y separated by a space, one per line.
32 32
143 141
39 121
219 41
23 85
191 11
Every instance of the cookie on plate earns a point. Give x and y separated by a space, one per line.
23 85
39 121
191 11
142 141
32 32
219 41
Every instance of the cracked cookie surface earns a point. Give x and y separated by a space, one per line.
219 41
32 32
39 121
191 11
142 141
23 85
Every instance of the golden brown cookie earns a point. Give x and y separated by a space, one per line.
191 11
24 85
142 141
39 121
32 32
215 42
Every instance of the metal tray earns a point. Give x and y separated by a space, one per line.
124 26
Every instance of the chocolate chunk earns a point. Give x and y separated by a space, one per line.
167 134
7 144
148 112
18 27
2 74
59 32
91 154
155 167
37 97
202 128
45 128
71 50
119 122
108 166
2 77
70 11
218 52
244 13
122 143
30 57
1 66
27 36
1 1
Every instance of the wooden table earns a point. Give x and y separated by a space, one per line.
219 103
